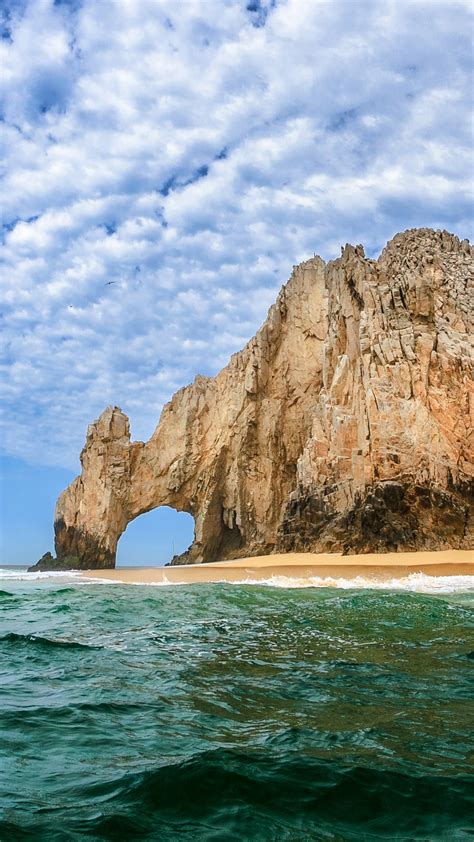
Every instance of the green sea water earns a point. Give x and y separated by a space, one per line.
234 712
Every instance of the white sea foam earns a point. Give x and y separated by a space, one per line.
417 582
76 577
21 574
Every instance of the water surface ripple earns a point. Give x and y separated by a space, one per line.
229 712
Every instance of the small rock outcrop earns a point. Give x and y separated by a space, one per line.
345 424
67 562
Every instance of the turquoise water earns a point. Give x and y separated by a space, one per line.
232 712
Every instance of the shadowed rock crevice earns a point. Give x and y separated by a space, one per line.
345 424
388 517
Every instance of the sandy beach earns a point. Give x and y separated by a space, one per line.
300 566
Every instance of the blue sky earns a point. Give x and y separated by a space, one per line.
165 166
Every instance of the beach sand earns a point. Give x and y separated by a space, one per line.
299 566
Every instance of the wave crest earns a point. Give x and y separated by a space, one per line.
22 575
416 582
44 642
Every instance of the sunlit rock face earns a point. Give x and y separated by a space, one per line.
345 424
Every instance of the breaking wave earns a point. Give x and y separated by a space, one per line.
415 582
21 574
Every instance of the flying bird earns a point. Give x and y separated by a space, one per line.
109 282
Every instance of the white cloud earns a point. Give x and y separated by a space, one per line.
167 164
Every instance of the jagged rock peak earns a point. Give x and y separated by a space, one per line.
345 424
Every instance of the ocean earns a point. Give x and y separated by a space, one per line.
234 712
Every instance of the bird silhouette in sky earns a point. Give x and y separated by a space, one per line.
109 283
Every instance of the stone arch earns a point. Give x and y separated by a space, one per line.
285 446
122 480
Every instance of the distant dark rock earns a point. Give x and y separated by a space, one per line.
49 562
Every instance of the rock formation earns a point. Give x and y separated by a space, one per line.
345 424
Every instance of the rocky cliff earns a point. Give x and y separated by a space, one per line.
346 423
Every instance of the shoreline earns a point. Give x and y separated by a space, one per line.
374 567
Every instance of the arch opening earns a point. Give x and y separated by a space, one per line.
153 538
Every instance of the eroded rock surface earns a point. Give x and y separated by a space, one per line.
346 423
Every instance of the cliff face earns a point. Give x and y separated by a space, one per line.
345 424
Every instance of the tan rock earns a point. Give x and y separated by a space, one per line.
346 423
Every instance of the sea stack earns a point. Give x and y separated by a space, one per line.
345 424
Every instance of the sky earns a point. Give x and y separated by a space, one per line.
165 165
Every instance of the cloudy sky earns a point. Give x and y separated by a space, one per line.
168 161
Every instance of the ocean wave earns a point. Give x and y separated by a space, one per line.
49 715
416 582
233 792
22 574
8 597
45 642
